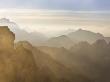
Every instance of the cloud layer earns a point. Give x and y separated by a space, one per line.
51 22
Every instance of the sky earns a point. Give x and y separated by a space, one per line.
53 16
52 22
57 4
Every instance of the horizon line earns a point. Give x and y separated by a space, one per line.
52 10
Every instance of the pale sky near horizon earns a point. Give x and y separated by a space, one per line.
50 16
54 21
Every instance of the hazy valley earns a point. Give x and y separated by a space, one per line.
54 40
79 56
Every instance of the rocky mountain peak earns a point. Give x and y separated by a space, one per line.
6 38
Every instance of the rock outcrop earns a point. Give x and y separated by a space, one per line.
6 38
16 63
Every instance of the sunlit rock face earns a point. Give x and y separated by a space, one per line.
6 38
16 63
25 64
22 62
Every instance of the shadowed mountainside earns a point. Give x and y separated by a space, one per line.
22 62
91 60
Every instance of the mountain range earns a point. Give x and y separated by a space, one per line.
21 34
64 39
91 60
72 38
22 62
82 62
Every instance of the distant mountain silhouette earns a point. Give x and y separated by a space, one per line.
68 40
84 35
60 41
63 32
107 39
33 37
37 38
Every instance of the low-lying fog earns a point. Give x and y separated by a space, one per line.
53 22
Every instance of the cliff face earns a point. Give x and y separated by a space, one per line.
25 65
6 38
16 64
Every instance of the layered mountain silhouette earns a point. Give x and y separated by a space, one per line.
60 41
22 62
83 35
72 38
91 60
21 34
64 39
80 56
